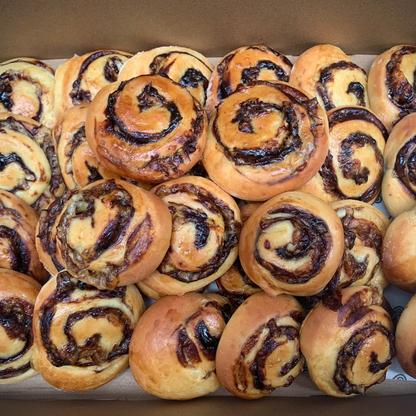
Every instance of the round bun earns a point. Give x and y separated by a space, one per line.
29 165
78 164
391 92
206 225
266 138
326 72
259 349
349 346
406 338
80 78
244 65
27 87
292 244
148 128
82 334
353 168
182 65
17 299
399 252
399 181
172 352
112 233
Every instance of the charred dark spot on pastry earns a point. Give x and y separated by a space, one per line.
14 158
18 255
349 352
192 78
253 73
94 174
311 238
289 381
400 92
110 70
225 309
328 74
186 350
16 320
207 342
405 166
232 228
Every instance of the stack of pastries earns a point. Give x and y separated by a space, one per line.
160 174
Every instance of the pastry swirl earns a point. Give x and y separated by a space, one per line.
244 65
292 244
112 233
172 352
148 128
82 334
349 346
17 299
17 237
78 164
182 65
326 72
266 138
206 225
28 163
353 168
390 84
399 181
80 78
27 89
259 349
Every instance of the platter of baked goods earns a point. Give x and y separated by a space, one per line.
233 222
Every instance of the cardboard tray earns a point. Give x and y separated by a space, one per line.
50 29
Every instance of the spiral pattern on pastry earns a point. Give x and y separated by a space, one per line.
235 285
148 128
242 66
82 334
349 346
206 225
292 244
80 78
172 351
353 168
112 233
17 237
391 84
182 65
28 163
399 180
27 89
259 349
326 72
17 299
78 164
266 138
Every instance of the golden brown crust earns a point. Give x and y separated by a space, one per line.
399 183
292 244
266 138
326 72
17 298
29 165
27 87
17 237
348 346
112 233
78 164
259 349
390 84
204 243
243 65
148 128
82 334
353 168
172 352
406 338
80 78
399 252
182 65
